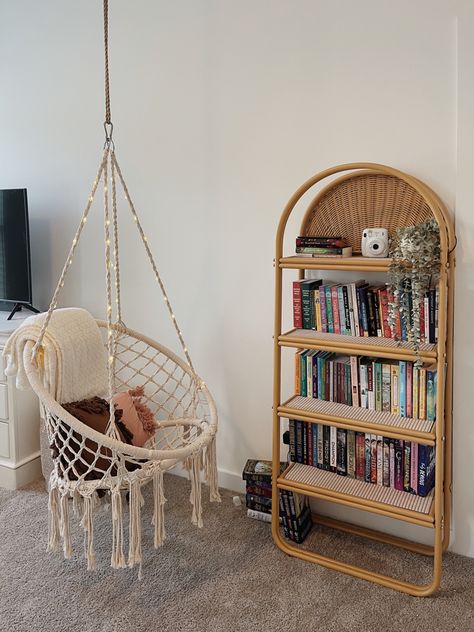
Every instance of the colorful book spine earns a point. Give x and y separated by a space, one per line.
322 307
373 458
415 398
386 388
297 306
406 465
431 394
335 310
399 454
392 463
414 468
422 393
368 457
426 469
351 453
303 381
317 310
379 460
386 462
341 310
354 381
378 385
402 384
409 390
298 373
333 448
360 455
395 374
329 315
341 457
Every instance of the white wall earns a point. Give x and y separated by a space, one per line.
221 110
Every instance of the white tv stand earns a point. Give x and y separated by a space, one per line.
19 422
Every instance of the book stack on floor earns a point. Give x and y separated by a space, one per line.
258 480
314 246
403 465
359 309
398 387
295 515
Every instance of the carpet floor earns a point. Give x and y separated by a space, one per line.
226 577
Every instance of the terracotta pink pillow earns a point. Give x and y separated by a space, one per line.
136 416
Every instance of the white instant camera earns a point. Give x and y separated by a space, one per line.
375 242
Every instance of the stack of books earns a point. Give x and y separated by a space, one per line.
394 386
314 246
295 515
358 309
403 465
258 479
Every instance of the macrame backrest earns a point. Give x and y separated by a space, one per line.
364 199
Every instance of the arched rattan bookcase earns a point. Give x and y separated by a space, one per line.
358 196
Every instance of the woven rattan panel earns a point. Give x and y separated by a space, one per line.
319 407
374 341
365 201
352 487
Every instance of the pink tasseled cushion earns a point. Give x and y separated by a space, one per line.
136 416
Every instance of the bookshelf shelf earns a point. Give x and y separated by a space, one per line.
357 196
380 347
361 419
356 264
306 479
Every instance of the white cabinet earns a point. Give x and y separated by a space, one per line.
19 422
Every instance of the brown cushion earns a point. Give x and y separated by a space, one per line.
94 413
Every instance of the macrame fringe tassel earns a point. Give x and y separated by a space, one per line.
54 528
65 526
118 558
195 497
135 530
88 526
77 503
158 519
210 467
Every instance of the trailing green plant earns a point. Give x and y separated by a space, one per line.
415 254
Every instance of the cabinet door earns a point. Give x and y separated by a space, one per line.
3 401
3 377
4 440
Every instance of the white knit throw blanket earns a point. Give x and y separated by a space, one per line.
75 360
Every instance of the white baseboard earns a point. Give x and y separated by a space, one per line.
227 480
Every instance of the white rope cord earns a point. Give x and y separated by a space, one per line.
75 241
153 265
116 245
111 428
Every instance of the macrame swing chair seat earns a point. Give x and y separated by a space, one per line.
88 463
90 466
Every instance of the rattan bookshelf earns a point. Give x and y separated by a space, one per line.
367 195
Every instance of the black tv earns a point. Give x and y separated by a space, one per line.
15 265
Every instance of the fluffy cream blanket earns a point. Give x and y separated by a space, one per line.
75 359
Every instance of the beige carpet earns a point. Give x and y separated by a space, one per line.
226 577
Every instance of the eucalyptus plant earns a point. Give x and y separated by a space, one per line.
415 254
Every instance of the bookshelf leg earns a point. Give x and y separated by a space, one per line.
409 588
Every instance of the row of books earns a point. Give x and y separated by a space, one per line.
322 246
257 475
394 386
358 309
294 511
403 465
295 515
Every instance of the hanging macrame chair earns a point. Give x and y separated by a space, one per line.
89 464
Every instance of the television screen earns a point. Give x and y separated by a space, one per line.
15 271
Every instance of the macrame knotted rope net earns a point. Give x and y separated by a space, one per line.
88 464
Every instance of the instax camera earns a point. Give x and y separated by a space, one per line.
375 242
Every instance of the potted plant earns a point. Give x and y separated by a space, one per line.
415 254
